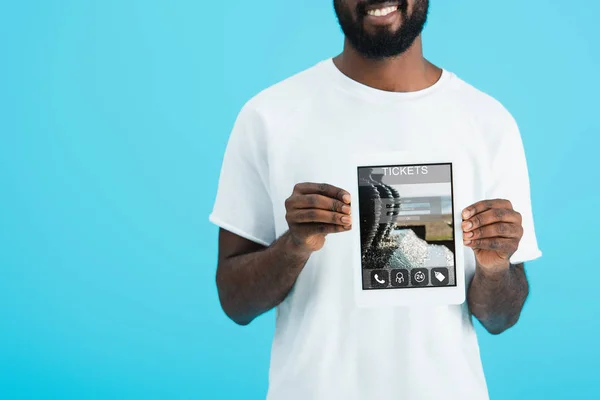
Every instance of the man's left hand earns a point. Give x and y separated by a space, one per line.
493 230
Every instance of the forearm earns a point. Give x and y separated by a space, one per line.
497 298
254 283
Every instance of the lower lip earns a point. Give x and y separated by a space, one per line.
382 20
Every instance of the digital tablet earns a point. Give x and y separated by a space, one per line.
407 236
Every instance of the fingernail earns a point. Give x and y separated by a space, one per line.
346 198
467 242
347 227
468 234
466 213
346 220
346 210
468 225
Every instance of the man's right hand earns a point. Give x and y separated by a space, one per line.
315 210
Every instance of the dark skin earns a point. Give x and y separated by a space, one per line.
497 293
253 279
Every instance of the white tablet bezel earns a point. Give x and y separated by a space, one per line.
412 296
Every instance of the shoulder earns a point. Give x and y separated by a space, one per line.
493 124
286 97
491 119
480 101
484 108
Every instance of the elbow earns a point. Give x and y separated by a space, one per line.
496 330
241 322
500 325
228 305
238 320
232 313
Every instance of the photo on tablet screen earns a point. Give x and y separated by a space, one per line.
406 226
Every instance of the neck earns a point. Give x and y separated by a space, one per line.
408 72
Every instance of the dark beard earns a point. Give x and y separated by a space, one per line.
382 43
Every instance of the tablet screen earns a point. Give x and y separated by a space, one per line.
406 226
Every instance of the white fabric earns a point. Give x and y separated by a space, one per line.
300 130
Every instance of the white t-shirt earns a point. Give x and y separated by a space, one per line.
301 130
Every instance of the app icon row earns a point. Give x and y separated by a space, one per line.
381 278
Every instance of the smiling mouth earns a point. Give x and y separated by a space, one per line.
382 10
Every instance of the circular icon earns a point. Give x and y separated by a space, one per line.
419 277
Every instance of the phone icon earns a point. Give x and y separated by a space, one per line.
379 278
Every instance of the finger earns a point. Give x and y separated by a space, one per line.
318 201
320 229
323 189
502 245
319 216
499 229
484 205
491 216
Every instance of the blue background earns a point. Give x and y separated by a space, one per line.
114 116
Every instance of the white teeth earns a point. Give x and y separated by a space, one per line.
382 12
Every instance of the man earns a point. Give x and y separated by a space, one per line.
285 214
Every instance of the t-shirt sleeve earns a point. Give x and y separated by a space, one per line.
510 181
243 204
